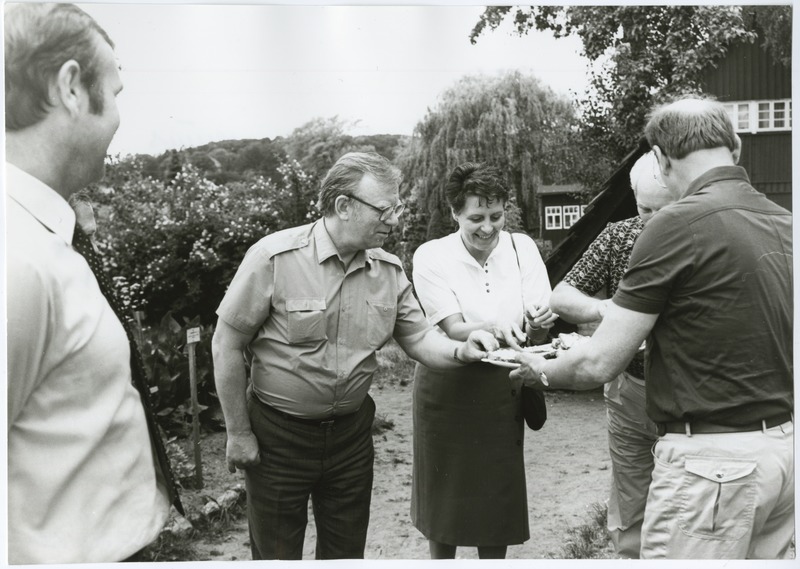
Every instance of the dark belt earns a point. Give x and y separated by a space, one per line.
326 422
702 428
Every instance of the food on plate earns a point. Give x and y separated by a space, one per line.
547 351
567 341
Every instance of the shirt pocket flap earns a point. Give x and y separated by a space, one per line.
720 469
304 304
382 308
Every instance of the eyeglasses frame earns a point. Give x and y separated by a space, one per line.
385 212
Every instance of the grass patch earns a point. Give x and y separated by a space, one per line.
214 528
590 540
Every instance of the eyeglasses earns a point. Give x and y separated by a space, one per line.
385 212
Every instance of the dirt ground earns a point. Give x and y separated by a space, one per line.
567 464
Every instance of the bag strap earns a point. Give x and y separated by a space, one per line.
521 291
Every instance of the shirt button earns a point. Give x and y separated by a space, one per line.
341 375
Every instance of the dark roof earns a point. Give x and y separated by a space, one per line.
614 202
557 189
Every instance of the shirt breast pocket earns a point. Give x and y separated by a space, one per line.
380 322
306 320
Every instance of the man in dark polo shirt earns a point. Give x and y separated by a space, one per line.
710 287
311 305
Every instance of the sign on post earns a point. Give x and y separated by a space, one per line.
192 338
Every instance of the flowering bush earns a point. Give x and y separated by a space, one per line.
173 247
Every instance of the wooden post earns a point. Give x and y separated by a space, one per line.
192 338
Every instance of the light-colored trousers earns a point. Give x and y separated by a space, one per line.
721 496
631 435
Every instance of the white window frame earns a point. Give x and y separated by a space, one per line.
552 217
571 214
751 110
583 210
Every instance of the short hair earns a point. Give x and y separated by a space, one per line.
475 179
344 176
644 170
690 124
39 39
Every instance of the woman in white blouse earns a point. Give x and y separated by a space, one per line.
468 484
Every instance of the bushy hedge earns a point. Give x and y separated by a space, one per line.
173 247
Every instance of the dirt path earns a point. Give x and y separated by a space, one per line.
567 467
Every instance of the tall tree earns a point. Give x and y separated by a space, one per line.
641 56
511 121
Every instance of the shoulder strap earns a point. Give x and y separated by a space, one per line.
521 291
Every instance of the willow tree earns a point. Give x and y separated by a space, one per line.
511 121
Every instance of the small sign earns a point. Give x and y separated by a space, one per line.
192 335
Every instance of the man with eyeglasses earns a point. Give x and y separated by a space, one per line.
310 306
710 286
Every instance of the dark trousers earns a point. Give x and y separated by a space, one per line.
331 463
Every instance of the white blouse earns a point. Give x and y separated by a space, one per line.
448 280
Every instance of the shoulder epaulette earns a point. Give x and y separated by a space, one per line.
285 240
381 255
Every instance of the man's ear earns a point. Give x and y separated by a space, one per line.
66 89
341 206
664 163
737 150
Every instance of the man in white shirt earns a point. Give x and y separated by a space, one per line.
83 483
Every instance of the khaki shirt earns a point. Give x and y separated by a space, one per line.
316 326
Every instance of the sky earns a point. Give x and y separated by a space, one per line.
196 73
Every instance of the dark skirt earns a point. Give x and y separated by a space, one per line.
468 484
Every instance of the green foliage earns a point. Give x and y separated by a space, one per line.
642 55
511 121
320 142
165 355
174 247
774 24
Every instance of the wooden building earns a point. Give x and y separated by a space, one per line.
757 92
561 206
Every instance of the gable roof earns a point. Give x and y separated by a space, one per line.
557 189
614 202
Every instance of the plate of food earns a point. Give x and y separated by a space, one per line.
507 357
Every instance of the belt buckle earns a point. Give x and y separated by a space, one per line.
327 423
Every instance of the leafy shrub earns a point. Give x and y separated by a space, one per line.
173 247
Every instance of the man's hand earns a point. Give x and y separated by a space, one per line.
510 333
529 371
540 317
478 343
242 451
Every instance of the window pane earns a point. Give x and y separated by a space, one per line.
763 115
743 123
552 217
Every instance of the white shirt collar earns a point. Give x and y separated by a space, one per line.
41 201
462 254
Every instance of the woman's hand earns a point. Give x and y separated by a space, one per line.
510 333
540 317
